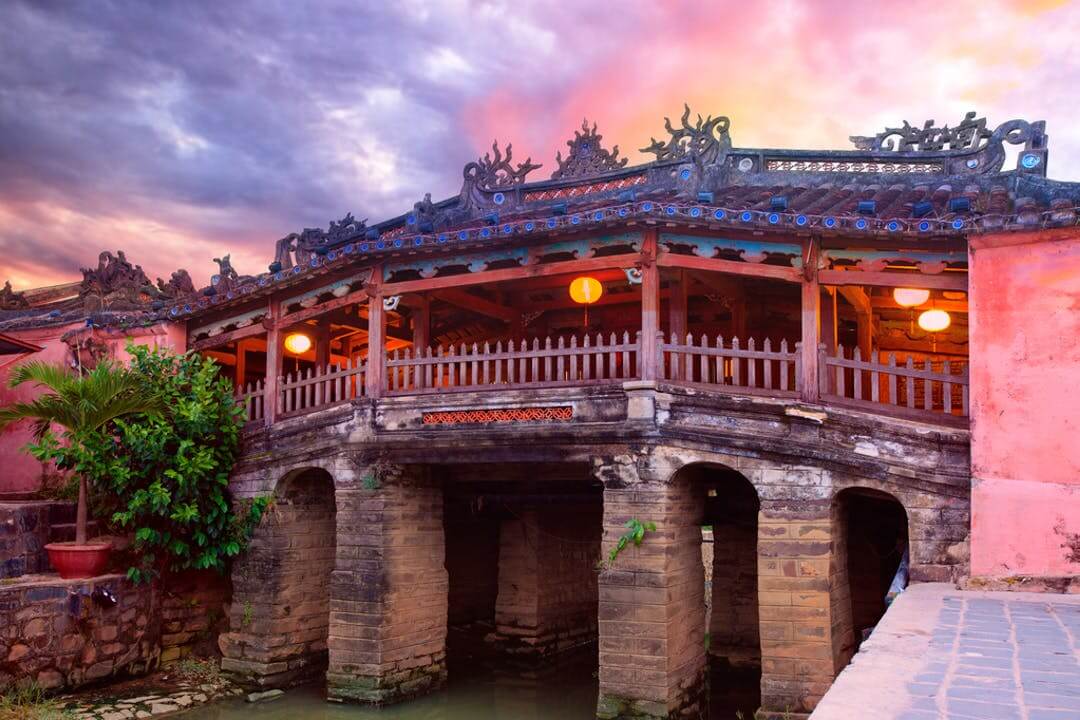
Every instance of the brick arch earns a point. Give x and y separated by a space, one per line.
280 615
872 533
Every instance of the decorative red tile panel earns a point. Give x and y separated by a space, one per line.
504 415
579 190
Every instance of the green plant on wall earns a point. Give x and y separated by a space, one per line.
172 491
635 534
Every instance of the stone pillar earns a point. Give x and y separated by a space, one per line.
805 623
279 611
388 596
547 579
652 603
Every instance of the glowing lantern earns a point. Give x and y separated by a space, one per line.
297 343
934 320
910 297
585 290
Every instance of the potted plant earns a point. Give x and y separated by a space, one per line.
84 405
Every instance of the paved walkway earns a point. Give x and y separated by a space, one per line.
942 653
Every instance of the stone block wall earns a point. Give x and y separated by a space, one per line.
53 633
652 604
24 531
279 616
795 571
547 599
194 611
388 601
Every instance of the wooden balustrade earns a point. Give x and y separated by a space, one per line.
251 399
743 369
932 388
514 365
321 387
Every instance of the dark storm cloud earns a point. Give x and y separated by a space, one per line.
225 120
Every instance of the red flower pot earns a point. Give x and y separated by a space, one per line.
77 562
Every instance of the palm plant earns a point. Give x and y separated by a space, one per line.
83 405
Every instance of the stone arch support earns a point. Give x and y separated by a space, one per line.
388 594
279 614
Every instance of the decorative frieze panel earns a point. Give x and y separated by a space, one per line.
231 323
493 259
754 251
930 263
337 289
851 166
563 413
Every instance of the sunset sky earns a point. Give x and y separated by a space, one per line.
181 131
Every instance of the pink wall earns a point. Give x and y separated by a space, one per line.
1025 375
19 472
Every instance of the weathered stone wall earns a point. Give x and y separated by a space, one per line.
53 633
652 600
279 616
388 602
24 531
733 621
547 599
194 612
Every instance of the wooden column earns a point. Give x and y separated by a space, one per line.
322 344
240 369
677 293
811 319
421 322
828 319
650 307
376 359
865 321
273 362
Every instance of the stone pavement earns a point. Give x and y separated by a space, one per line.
944 653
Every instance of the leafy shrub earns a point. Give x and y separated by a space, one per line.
169 484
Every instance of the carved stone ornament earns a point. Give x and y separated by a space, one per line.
493 172
587 157
708 138
115 284
11 300
179 285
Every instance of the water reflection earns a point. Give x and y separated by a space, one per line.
564 691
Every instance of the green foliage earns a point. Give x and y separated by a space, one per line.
635 534
168 479
86 406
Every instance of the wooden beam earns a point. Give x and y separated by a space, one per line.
856 297
811 322
508 274
887 303
477 304
730 267
353 298
226 337
944 281
650 307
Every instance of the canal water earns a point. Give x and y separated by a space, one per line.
564 692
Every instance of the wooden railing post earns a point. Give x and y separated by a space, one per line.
273 362
650 307
376 359
811 321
